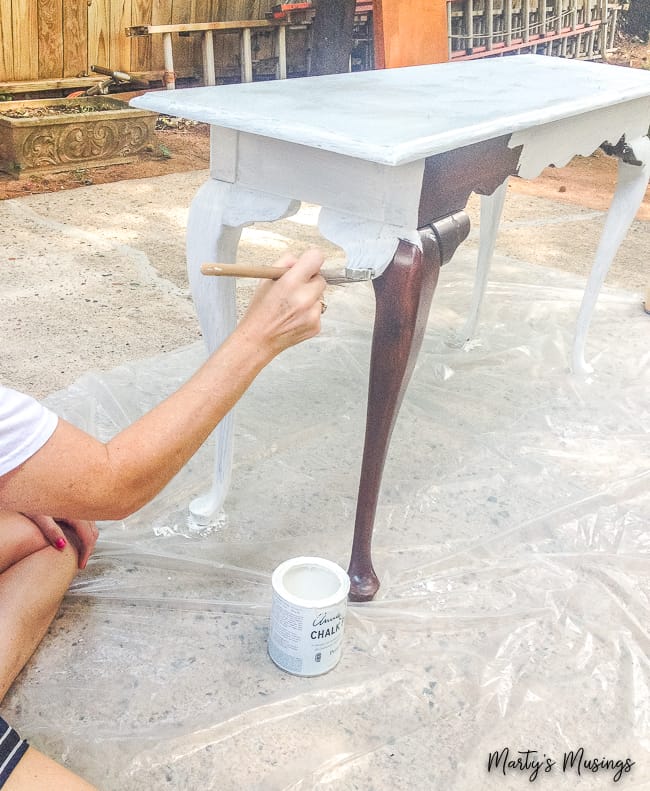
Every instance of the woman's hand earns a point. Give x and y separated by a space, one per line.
85 534
286 311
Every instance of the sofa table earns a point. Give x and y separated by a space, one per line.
391 157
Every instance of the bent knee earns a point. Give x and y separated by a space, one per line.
20 537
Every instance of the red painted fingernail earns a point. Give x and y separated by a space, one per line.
60 543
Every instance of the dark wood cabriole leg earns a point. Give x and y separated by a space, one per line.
403 297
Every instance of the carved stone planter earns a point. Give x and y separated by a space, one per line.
48 135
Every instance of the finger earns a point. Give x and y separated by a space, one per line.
314 289
314 283
313 324
312 319
50 529
86 533
316 318
286 259
307 266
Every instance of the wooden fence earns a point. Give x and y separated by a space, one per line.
57 39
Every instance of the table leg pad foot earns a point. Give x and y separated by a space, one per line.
363 586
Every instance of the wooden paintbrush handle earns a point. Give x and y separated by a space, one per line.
274 272
244 270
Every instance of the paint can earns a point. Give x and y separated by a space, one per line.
310 598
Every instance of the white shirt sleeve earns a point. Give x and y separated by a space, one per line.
25 426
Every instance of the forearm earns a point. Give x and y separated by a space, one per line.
153 449
76 476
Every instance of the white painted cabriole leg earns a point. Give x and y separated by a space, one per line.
630 189
217 215
491 211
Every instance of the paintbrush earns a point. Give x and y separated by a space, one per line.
332 277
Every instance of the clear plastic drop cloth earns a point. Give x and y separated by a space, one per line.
508 644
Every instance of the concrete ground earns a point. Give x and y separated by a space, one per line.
511 535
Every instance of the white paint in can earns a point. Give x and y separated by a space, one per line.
307 615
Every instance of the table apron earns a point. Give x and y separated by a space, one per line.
556 143
370 190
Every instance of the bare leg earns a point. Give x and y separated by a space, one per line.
33 580
403 295
36 771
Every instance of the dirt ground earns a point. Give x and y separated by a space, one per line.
176 149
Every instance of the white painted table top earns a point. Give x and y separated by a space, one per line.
395 116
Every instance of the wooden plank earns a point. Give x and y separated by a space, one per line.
161 14
185 27
141 48
212 11
612 26
489 24
183 45
199 13
75 39
99 33
240 9
281 44
120 46
169 77
31 86
246 56
25 38
468 22
50 39
209 77
6 41
525 12
227 43
156 75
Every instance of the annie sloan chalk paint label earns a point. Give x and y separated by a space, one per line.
307 615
